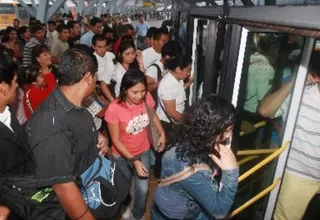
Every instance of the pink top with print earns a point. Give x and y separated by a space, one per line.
133 120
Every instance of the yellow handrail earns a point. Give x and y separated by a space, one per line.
255 152
258 125
256 198
264 162
247 159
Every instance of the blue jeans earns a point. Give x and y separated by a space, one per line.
141 185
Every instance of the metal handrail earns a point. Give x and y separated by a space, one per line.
256 152
256 198
258 125
264 162
247 159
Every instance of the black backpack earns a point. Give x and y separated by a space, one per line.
25 201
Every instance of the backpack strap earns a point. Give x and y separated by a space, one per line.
185 173
159 75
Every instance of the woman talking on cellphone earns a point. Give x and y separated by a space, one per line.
189 166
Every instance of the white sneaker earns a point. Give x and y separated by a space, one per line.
126 213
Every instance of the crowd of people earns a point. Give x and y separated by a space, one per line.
68 94
81 102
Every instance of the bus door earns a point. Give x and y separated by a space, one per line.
256 63
205 44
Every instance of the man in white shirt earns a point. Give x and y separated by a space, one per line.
302 175
153 54
52 34
155 71
105 64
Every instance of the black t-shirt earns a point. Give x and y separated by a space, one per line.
73 41
63 138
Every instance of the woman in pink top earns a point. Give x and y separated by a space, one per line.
127 121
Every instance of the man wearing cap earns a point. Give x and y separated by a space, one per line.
37 38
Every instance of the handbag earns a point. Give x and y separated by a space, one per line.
153 133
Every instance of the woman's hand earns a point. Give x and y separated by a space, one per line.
162 143
4 212
140 169
188 82
227 159
311 79
139 56
102 144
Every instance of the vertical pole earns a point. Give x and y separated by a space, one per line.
42 10
99 8
80 7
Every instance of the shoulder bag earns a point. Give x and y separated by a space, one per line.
153 133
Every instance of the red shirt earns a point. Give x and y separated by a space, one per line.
133 120
116 46
36 95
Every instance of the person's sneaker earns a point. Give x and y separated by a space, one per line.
126 213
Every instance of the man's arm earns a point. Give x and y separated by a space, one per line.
72 202
271 104
106 91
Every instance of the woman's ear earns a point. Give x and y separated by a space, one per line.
177 70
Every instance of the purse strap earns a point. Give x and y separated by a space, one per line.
164 110
185 173
149 112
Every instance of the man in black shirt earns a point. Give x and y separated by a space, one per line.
63 135
74 33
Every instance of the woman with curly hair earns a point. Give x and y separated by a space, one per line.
197 194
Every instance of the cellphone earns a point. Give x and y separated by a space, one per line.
228 142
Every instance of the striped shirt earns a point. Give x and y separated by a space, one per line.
304 156
27 53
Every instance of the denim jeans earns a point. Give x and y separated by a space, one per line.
141 185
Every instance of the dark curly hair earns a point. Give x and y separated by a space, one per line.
202 123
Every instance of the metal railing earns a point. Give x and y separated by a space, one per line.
256 198
275 154
264 162
258 125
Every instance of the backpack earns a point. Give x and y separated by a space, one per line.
103 188
159 76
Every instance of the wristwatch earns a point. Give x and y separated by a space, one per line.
133 159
